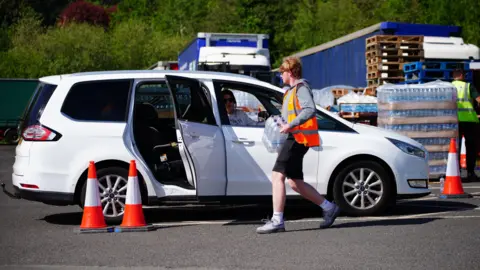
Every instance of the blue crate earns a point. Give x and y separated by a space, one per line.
412 67
426 80
435 66
446 75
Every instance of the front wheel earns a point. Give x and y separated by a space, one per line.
363 188
112 186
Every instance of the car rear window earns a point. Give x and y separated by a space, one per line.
37 104
101 101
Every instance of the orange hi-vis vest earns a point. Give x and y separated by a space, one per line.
306 133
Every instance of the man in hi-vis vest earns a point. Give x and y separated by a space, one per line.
467 119
298 109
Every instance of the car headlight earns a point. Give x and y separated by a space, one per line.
408 148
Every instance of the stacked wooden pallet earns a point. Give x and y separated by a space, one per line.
386 55
340 92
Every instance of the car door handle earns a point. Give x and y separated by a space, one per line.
244 141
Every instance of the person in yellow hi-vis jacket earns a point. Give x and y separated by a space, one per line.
467 119
298 109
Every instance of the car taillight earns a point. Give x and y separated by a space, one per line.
39 133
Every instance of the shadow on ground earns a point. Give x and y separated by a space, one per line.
253 214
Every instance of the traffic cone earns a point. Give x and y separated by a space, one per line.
453 184
93 220
133 218
463 155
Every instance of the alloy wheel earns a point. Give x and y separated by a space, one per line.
362 188
113 193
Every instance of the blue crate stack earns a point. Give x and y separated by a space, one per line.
423 72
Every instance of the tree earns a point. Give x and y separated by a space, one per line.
84 12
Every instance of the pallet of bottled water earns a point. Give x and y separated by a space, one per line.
272 138
426 113
353 103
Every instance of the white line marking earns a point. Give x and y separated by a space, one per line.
438 206
464 187
233 222
431 197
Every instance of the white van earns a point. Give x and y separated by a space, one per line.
451 48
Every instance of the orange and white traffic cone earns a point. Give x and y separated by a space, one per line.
452 187
93 219
133 218
463 155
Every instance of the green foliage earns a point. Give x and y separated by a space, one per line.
142 32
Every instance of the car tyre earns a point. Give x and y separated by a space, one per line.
112 195
374 186
11 136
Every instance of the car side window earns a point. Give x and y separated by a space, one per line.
327 123
101 101
254 104
192 103
157 95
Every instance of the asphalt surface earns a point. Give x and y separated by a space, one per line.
417 234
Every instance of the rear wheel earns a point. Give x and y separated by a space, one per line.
363 188
112 186
11 136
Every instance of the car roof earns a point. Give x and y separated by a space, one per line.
151 74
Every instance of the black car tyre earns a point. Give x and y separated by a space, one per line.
363 188
112 183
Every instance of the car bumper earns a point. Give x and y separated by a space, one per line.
47 197
412 196
411 174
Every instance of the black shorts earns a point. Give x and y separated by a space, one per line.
290 159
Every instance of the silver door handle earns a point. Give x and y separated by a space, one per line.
245 142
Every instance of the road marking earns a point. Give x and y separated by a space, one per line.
344 219
430 197
438 206
464 187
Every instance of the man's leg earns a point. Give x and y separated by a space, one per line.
276 224
278 192
295 174
306 190
330 210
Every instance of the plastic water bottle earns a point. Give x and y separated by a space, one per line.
442 181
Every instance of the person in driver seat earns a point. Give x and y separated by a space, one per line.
237 117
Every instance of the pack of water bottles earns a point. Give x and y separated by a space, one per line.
426 113
272 138
353 102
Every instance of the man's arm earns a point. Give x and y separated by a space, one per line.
308 106
246 120
474 93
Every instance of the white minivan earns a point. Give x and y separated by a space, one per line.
174 124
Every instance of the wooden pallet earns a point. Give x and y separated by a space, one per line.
339 92
384 66
385 74
393 39
368 91
395 53
393 60
394 46
380 81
